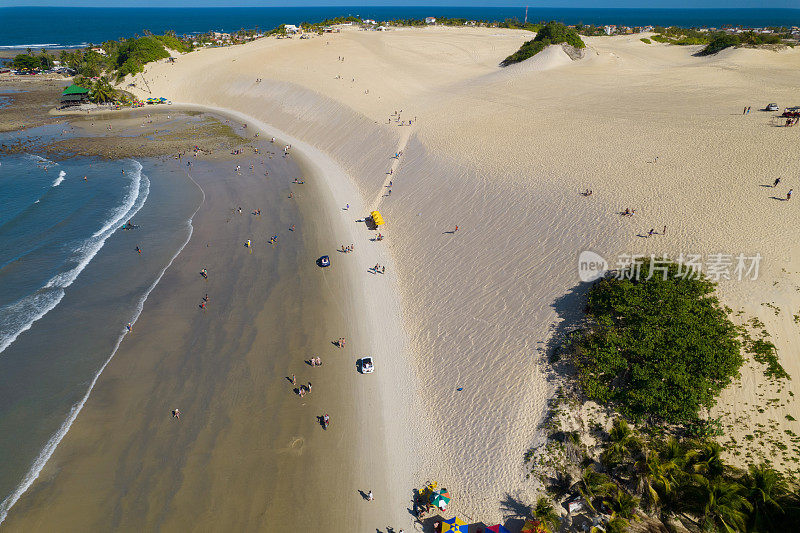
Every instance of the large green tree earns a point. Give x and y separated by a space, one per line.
26 62
658 344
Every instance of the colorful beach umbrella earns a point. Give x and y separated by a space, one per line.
454 524
440 498
499 528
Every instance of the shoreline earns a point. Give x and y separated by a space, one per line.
380 307
368 452
50 447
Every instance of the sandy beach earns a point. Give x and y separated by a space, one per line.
460 322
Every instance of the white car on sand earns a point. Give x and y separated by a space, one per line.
366 366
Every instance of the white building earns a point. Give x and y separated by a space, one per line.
430 20
291 28
610 30
368 21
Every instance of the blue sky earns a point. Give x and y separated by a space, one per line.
795 4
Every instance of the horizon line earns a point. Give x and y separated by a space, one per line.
362 6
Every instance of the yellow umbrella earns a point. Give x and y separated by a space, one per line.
454 524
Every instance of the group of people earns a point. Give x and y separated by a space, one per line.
347 249
378 269
628 212
302 390
315 361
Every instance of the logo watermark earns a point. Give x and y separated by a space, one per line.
714 266
591 266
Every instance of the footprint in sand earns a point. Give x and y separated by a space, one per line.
295 446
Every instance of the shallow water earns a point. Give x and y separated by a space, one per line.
70 281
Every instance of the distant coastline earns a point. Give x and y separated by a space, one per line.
39 27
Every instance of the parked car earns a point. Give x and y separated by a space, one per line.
772 107
365 365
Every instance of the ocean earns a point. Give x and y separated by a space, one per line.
70 282
38 27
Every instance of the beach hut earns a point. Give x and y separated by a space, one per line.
377 218
74 95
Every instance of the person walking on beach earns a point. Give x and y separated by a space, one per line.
789 194
777 181
370 497
176 413
664 232
294 381
455 230
650 233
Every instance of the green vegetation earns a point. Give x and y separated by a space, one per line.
132 54
719 40
659 348
515 24
645 40
101 92
680 36
678 481
722 41
26 62
550 33
120 58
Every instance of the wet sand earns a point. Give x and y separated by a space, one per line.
247 453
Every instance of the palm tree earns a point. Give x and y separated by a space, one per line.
719 503
593 484
102 92
706 460
622 504
546 513
764 488
623 443
652 479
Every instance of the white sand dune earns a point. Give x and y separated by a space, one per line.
503 155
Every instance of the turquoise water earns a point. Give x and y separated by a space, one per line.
35 27
70 281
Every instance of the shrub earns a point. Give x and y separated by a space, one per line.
550 33
719 43
645 40
660 347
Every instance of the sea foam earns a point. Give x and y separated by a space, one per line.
59 179
19 316
55 440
